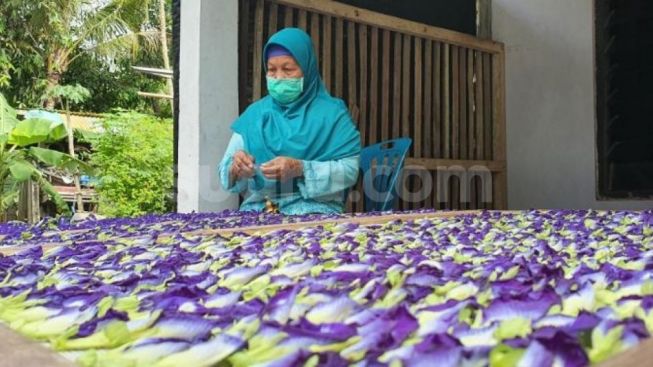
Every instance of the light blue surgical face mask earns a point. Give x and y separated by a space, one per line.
285 91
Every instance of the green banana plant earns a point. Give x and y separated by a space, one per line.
19 155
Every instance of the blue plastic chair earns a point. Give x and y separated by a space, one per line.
381 165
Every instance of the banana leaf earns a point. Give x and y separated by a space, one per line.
59 160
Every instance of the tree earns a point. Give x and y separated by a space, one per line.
163 39
116 86
67 94
19 155
54 33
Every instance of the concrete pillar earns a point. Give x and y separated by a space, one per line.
550 106
208 101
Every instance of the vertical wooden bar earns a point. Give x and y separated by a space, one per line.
385 87
272 20
470 104
417 118
431 201
446 103
303 20
351 67
257 65
364 86
479 148
405 87
428 109
455 122
396 94
374 87
464 184
24 200
437 100
418 99
437 119
359 205
455 100
428 99
487 104
451 182
315 36
499 119
487 116
463 102
34 201
405 103
327 51
349 205
340 57
473 187
288 16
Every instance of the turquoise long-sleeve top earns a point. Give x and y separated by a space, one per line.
321 188
314 128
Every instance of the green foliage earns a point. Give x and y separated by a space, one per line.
42 40
117 85
134 160
18 156
68 94
34 131
20 63
8 118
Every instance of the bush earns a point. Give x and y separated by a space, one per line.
134 161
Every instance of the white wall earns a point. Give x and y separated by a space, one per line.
550 104
208 100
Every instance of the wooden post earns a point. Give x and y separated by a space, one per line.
163 39
484 19
71 150
34 208
29 208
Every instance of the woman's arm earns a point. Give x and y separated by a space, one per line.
324 178
235 144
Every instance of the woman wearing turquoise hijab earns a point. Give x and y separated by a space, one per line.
298 146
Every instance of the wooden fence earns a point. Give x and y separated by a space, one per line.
400 78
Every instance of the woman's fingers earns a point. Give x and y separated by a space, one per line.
243 165
281 168
271 170
247 160
244 158
245 171
274 169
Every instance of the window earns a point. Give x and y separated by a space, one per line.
624 98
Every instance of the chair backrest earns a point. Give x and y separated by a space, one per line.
381 164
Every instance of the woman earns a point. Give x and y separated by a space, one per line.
297 147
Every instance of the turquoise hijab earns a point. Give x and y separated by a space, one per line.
315 127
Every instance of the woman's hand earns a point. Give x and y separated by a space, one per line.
282 168
242 166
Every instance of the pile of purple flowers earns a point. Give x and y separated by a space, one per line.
63 230
533 288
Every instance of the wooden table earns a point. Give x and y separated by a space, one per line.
15 350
